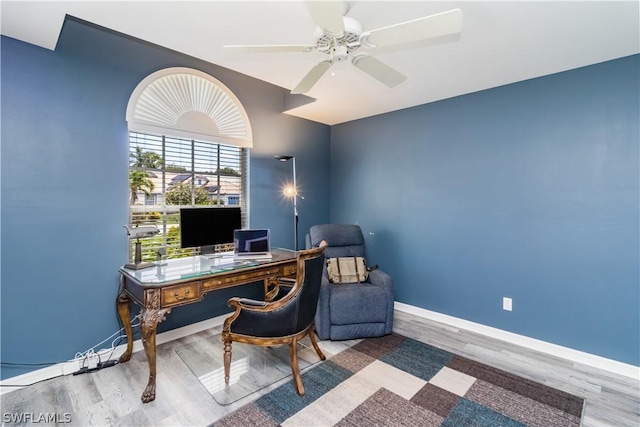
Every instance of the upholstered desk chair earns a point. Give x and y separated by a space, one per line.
284 321
355 310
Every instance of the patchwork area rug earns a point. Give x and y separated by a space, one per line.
398 381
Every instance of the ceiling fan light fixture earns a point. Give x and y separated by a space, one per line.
340 54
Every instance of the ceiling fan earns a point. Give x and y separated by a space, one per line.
340 38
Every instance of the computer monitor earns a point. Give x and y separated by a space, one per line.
205 227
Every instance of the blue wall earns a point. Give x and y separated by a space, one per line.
65 178
528 191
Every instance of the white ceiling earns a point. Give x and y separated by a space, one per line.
502 42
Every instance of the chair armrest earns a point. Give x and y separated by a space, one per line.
246 303
384 280
380 278
325 284
285 285
322 320
252 302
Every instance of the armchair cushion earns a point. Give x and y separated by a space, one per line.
367 303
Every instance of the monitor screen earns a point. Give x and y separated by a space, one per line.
205 227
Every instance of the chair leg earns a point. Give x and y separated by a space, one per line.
314 342
293 353
227 361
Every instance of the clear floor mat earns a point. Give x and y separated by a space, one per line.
252 367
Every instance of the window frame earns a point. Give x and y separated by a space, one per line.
182 169
187 104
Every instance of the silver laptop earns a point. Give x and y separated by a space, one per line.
252 244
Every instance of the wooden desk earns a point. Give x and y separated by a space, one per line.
156 290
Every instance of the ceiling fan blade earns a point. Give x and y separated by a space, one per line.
312 77
328 15
378 70
440 24
268 48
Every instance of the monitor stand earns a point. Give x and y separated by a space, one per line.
207 250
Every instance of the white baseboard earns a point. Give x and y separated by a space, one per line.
71 366
524 341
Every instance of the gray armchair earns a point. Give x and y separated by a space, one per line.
350 311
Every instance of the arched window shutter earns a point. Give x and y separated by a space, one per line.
187 103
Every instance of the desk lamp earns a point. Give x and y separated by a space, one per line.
292 192
138 232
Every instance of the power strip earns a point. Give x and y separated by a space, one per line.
92 361
100 365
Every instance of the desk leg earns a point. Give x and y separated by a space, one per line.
125 317
149 319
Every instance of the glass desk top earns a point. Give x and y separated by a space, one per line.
200 265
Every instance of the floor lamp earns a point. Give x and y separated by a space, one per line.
292 191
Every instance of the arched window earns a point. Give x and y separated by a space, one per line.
189 141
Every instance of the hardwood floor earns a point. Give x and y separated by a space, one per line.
112 396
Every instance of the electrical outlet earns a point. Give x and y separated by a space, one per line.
507 304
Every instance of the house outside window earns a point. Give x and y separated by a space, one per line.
151 199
